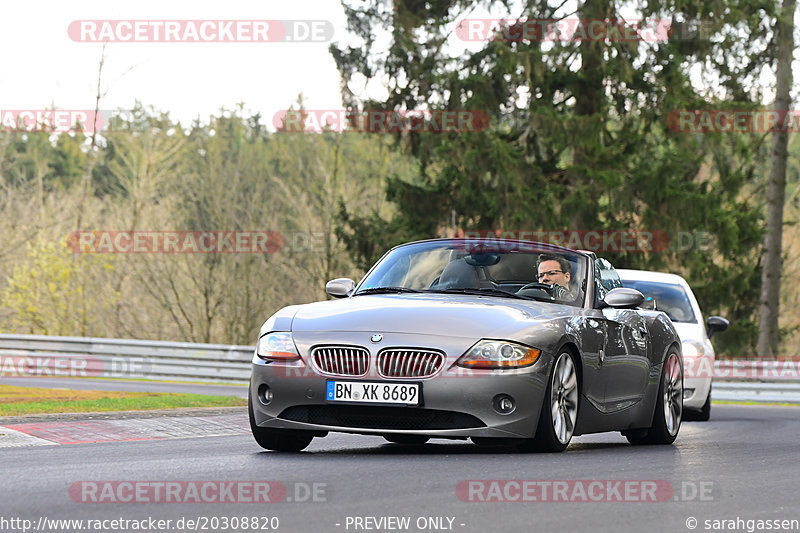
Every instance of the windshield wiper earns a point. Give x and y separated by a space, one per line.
489 290
385 290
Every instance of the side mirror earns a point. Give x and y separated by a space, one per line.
623 298
340 287
716 323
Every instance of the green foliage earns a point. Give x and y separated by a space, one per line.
580 136
52 292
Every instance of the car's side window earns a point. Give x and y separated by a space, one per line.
605 278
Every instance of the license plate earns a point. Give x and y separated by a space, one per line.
370 392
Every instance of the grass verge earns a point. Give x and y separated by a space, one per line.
749 402
28 400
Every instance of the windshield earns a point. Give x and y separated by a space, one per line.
669 297
498 268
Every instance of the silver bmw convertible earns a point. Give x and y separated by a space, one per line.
504 342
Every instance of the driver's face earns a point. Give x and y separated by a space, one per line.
550 272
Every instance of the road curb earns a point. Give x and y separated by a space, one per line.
119 415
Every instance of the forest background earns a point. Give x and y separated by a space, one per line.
579 139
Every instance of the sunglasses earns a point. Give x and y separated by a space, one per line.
550 273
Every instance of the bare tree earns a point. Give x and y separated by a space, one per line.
87 177
771 259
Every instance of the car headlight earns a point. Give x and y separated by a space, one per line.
277 346
498 354
692 349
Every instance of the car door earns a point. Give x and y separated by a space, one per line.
624 366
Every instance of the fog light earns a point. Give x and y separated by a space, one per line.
264 394
688 393
504 404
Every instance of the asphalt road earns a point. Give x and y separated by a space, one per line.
742 464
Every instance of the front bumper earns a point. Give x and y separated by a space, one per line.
696 390
455 404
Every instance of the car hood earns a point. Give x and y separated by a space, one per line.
432 314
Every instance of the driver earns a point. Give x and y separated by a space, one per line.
553 270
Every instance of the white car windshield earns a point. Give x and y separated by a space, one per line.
669 298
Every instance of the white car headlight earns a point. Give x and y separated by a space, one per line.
498 354
277 346
692 349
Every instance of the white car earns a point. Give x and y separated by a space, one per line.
671 294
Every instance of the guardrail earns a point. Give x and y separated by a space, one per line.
755 391
42 355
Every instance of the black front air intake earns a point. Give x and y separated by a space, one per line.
369 417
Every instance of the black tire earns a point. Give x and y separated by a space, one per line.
279 440
555 430
669 406
406 439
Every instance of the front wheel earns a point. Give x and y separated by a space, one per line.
669 406
559 409
280 440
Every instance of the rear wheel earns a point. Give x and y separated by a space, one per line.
669 406
281 440
407 439
559 410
